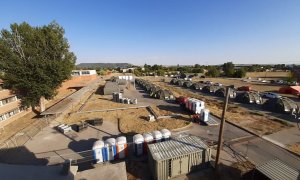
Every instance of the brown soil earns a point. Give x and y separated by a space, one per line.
295 147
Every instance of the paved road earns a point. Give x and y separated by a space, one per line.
256 149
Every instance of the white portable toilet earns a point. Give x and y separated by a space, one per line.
121 147
138 141
130 78
148 139
157 136
98 148
166 134
110 149
204 115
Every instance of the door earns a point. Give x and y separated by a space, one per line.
184 165
180 166
176 167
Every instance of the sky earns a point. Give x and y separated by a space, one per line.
169 32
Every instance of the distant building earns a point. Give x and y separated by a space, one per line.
10 106
83 72
126 70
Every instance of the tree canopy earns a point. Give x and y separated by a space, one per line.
35 60
228 69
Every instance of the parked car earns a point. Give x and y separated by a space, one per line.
208 82
218 84
244 88
270 95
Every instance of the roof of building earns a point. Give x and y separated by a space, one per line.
277 170
297 88
176 147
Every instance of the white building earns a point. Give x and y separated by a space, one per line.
83 72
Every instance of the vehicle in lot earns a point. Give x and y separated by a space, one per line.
218 84
269 95
244 88
208 82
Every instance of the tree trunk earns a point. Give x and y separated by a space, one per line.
42 104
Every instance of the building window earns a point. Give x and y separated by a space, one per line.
85 72
2 117
8 100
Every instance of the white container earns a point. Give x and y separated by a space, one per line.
166 134
130 78
148 139
121 145
98 147
138 141
204 115
157 136
127 78
110 149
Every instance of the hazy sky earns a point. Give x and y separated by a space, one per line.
169 31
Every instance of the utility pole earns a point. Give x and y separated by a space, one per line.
220 140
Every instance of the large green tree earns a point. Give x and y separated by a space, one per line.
228 69
35 60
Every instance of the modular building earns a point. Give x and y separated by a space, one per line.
110 88
178 156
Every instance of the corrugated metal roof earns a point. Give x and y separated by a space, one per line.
176 147
277 170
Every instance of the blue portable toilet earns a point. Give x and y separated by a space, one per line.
110 149
98 148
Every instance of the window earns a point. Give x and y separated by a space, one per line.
2 117
8 100
85 72
1 87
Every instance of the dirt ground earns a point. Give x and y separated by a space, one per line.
254 121
295 147
268 74
131 120
257 86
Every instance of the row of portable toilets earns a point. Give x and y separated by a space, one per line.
197 106
118 97
112 148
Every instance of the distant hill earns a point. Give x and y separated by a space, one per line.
103 65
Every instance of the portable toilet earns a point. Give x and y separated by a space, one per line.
148 139
204 115
138 141
98 149
110 151
121 146
157 136
165 134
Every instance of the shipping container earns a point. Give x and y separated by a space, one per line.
138 141
178 156
98 149
121 147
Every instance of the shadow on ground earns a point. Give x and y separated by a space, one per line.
21 155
